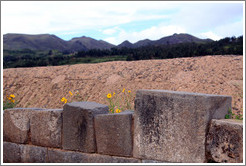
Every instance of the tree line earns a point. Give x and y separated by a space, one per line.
29 58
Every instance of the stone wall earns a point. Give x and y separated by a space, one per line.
166 126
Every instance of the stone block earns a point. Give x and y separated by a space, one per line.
16 124
114 134
78 125
11 152
172 126
99 158
46 127
225 141
152 161
33 154
62 156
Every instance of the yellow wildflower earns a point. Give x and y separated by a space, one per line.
70 93
12 101
117 110
129 91
12 96
65 101
109 96
123 90
113 93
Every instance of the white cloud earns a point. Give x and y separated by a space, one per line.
210 35
152 33
110 31
212 20
52 17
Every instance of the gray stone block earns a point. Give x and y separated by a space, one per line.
114 134
46 127
11 152
16 124
172 126
33 154
225 141
152 161
98 158
61 156
78 125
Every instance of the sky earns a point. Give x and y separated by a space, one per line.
117 21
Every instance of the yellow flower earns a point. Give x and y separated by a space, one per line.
12 96
70 93
129 91
117 110
12 101
113 93
65 101
109 96
123 90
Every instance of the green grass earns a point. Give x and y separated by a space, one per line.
96 60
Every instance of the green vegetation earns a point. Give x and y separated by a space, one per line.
9 102
30 58
231 115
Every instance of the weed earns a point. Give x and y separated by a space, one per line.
114 101
231 115
10 102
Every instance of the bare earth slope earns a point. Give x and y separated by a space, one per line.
45 86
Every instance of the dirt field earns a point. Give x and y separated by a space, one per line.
45 86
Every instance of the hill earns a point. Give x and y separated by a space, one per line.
45 86
91 43
33 42
168 40
51 42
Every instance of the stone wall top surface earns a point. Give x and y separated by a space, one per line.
86 105
181 93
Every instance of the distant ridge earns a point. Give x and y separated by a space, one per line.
51 42
173 39
14 41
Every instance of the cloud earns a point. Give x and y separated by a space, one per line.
110 31
111 18
210 35
53 17
152 33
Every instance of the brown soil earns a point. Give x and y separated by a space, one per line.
45 86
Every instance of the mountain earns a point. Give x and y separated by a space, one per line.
90 43
125 43
142 43
33 42
179 38
51 42
173 39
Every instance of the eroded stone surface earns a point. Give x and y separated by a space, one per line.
11 152
78 125
33 154
225 141
16 124
171 126
46 127
114 134
61 156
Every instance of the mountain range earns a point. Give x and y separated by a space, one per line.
13 41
